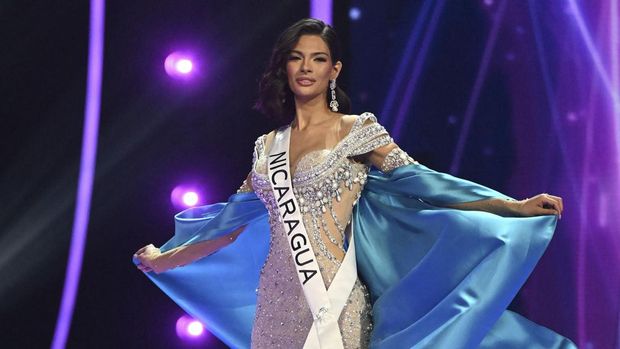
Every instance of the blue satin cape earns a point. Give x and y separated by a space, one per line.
438 277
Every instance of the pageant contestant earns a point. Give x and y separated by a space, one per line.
316 251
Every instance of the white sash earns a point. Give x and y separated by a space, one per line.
325 305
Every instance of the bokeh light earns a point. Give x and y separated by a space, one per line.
190 329
195 328
183 196
180 65
184 66
355 13
190 198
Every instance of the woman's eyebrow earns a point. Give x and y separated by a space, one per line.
312 54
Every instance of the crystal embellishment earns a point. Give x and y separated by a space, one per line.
396 158
327 184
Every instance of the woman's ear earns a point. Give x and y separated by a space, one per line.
336 70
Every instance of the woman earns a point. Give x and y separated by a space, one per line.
425 266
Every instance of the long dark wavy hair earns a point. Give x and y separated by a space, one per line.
275 98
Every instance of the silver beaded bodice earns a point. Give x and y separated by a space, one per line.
327 184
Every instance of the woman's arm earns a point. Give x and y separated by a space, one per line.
541 204
151 258
390 156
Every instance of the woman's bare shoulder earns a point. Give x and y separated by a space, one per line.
349 119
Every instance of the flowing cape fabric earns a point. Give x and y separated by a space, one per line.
439 277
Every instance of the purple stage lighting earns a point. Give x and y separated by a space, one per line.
87 173
190 198
184 196
190 329
321 9
180 65
355 13
195 328
183 66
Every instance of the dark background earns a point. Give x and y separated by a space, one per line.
156 132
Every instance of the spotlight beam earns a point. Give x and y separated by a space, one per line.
417 70
614 46
550 94
610 88
321 9
407 57
594 55
581 261
475 94
87 171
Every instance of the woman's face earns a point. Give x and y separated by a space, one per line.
309 68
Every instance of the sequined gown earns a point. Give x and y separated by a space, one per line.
327 184
483 258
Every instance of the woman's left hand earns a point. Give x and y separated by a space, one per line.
541 204
147 256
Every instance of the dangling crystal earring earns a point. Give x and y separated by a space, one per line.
334 103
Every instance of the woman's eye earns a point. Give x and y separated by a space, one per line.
321 59
291 58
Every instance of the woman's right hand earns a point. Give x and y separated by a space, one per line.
147 256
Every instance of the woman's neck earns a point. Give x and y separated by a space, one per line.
311 113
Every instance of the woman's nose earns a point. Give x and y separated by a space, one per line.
305 66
